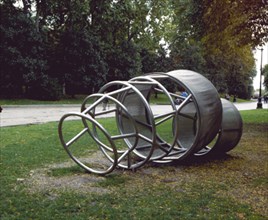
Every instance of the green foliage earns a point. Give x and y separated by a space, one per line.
219 51
155 62
80 45
81 58
265 73
46 89
187 54
22 52
124 61
241 22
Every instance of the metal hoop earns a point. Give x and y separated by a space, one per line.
86 129
162 147
124 156
146 131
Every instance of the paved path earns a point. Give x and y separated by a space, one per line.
34 114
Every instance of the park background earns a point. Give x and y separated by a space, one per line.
57 49
261 60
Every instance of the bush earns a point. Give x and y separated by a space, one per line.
49 89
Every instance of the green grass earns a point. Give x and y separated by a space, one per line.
237 99
232 187
78 99
258 116
56 172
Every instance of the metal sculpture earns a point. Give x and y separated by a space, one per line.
196 121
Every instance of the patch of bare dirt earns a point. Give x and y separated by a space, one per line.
41 181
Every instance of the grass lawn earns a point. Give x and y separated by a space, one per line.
78 99
39 181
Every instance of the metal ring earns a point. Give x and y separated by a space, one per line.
85 165
124 157
198 115
146 131
163 146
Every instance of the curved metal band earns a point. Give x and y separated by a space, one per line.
205 106
230 132
231 128
84 131
163 146
126 94
207 101
133 133
197 120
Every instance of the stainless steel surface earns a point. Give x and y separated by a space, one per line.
199 117
229 134
195 117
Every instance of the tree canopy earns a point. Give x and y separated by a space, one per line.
53 48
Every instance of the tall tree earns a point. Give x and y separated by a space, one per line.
72 41
233 48
78 62
244 22
216 27
22 52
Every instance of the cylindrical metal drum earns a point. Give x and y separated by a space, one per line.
230 132
199 114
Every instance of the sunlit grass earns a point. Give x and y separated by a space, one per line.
255 116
